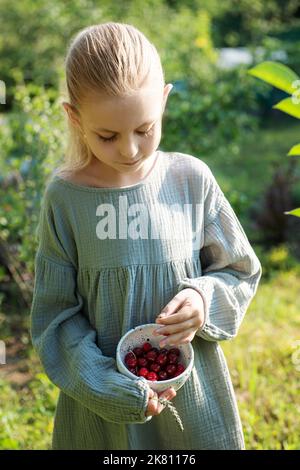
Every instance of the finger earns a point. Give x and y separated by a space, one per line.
169 393
178 317
174 318
151 393
155 407
174 328
172 306
152 404
178 338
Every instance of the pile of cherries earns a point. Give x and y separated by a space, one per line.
153 363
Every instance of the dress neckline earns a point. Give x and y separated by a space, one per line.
143 182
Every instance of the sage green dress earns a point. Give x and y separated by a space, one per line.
110 259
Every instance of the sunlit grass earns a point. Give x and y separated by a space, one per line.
263 366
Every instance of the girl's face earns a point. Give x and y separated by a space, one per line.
123 133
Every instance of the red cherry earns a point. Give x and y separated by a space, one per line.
143 372
132 370
162 375
151 376
163 351
147 346
155 367
128 356
171 369
162 359
172 358
180 368
175 351
138 352
131 362
151 355
142 362
176 374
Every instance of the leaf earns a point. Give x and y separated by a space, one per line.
295 212
289 107
276 74
295 150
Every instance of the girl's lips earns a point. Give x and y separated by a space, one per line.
132 164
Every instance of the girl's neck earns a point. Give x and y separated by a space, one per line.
98 175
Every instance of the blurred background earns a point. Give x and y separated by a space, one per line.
216 112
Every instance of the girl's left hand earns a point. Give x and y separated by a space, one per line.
181 325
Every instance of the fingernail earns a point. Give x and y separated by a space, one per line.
158 332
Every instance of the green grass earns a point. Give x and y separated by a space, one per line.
264 366
261 360
26 415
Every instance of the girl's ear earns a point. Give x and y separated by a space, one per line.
167 91
72 114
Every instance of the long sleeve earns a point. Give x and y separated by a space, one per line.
230 268
64 339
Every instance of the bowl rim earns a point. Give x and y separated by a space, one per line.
188 368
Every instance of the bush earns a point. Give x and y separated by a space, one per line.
31 144
207 119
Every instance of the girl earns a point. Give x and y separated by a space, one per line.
128 232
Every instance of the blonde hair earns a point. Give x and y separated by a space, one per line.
110 58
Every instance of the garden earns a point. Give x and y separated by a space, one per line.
234 66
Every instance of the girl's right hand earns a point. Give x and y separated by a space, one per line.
154 406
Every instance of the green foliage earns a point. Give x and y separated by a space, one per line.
182 38
295 150
276 74
34 37
243 22
285 79
32 141
211 118
36 53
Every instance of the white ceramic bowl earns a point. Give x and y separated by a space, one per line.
143 333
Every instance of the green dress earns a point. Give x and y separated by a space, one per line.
110 259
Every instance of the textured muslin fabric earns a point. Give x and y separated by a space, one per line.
109 259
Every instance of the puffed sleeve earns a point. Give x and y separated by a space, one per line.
64 339
230 268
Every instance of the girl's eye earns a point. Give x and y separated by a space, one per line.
111 139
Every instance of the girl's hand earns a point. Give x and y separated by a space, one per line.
154 406
181 325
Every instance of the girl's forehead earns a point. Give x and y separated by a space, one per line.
143 104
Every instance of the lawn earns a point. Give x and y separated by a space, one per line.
264 360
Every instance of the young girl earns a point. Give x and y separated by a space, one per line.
128 232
